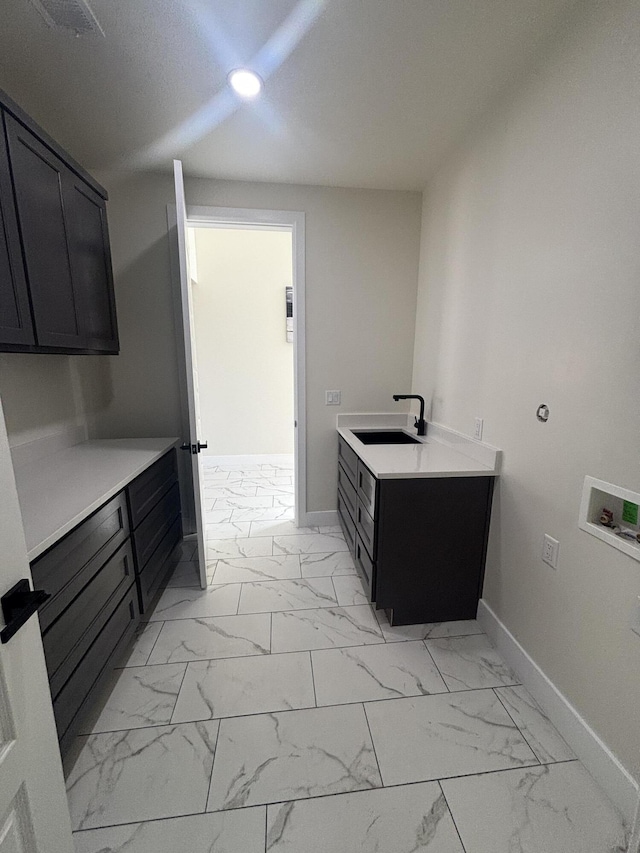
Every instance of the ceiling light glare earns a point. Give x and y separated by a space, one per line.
246 84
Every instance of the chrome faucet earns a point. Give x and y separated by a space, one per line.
420 422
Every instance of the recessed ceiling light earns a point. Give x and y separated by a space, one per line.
245 83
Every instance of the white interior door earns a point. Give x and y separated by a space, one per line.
194 438
34 815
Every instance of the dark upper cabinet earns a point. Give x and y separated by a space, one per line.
90 257
38 179
65 261
16 326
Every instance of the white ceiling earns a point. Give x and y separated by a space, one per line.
367 93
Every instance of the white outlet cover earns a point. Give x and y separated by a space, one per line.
550 547
477 432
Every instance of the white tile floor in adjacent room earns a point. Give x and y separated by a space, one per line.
277 711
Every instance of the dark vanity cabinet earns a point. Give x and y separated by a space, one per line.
101 576
56 284
419 544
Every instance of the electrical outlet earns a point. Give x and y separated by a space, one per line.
550 548
477 433
333 398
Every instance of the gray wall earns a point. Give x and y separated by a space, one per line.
529 293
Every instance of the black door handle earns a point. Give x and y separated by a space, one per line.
194 448
18 605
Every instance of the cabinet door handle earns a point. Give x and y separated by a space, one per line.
18 605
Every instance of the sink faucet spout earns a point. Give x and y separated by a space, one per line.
420 422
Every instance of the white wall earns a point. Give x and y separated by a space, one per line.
530 292
245 365
362 250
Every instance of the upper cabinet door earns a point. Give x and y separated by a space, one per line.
16 325
90 257
38 178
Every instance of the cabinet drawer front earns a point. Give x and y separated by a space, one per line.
348 459
147 489
348 491
158 566
346 522
70 564
367 488
151 531
74 631
366 528
111 640
364 567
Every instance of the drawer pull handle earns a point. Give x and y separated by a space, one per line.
18 605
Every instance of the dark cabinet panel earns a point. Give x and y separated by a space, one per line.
90 258
412 562
16 325
38 179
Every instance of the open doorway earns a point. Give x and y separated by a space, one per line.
203 507
242 291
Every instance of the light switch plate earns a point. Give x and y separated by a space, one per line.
333 398
477 432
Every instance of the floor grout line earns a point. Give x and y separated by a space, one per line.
455 825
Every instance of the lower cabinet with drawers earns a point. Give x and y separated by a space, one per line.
101 576
419 544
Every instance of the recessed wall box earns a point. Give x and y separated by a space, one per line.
598 495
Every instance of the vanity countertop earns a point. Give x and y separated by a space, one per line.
441 453
59 491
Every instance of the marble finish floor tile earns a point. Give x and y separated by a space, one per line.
291 755
332 627
556 808
227 530
274 491
229 490
541 735
142 696
367 673
143 642
141 774
218 516
212 638
294 594
323 565
284 500
223 549
271 513
392 820
250 685
242 503
219 832
399 633
450 734
247 569
350 591
309 543
286 527
468 663
185 574
185 603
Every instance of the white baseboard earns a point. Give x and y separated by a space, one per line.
601 763
323 518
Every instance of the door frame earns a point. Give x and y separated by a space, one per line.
293 220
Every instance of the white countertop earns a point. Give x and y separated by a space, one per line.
59 491
441 453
